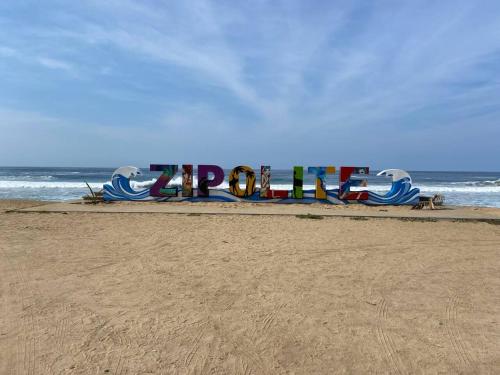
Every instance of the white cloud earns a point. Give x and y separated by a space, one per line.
55 64
292 68
8 52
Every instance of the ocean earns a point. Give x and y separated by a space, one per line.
55 184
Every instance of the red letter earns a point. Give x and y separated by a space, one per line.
265 185
346 182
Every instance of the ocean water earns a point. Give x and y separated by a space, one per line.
459 188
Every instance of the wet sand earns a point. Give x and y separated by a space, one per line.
135 293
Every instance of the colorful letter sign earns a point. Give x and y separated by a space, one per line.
212 176
187 180
320 173
346 181
204 183
159 188
265 183
234 181
298 182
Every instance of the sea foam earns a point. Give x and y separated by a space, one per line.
465 187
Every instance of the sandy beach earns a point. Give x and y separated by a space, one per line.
148 293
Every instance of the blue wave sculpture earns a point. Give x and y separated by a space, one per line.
401 192
120 189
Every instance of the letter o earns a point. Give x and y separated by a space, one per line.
234 181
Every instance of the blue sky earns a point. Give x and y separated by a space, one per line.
386 84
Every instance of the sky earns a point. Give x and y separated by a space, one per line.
386 84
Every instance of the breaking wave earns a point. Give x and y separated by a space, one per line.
484 183
21 184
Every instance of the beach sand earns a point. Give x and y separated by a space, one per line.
139 293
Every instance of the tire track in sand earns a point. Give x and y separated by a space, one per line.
121 366
204 349
9 357
26 341
384 337
108 339
61 330
61 335
195 346
386 341
268 322
460 347
259 338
